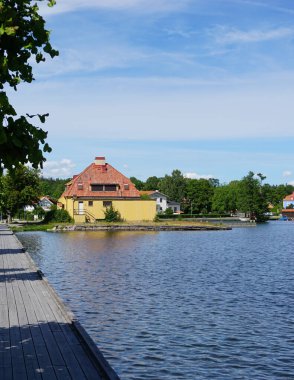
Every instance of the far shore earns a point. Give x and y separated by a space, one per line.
166 225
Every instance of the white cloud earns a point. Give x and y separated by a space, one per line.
287 173
291 183
198 176
85 60
167 109
225 35
58 169
111 56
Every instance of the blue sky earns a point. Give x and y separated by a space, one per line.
204 86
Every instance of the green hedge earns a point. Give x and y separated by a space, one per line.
59 216
193 216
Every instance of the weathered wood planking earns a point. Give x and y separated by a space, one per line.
39 338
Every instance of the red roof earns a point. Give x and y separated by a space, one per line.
95 174
289 197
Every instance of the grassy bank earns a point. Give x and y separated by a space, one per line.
21 227
39 226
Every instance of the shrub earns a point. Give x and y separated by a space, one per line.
112 215
145 197
156 218
40 212
168 211
59 216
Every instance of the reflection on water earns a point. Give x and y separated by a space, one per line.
180 305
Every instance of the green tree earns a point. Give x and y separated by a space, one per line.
20 187
276 193
214 182
53 187
58 216
251 198
199 195
138 183
112 215
225 197
174 186
169 211
152 183
23 37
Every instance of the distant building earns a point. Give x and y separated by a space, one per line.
100 186
288 201
288 207
45 202
162 201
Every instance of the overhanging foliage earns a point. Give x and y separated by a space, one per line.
23 38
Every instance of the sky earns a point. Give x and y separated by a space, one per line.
203 86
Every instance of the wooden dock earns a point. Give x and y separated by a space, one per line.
39 338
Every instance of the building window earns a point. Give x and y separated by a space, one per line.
160 200
90 203
126 186
109 187
99 187
80 186
107 203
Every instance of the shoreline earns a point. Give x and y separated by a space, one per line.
138 227
200 225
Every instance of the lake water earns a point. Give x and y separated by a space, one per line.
180 305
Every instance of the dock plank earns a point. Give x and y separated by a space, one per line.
39 339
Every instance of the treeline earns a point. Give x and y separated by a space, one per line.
23 187
52 187
250 195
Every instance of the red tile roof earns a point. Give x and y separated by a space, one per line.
80 185
289 197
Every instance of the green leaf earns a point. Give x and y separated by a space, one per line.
16 142
51 3
40 58
43 117
10 30
3 138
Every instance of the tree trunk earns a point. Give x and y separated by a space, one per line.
9 218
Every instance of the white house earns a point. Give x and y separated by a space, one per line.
45 202
162 201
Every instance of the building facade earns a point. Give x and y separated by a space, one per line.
99 186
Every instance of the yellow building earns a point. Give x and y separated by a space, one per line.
99 186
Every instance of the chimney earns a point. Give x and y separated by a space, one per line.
100 161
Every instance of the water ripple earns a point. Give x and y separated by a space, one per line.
180 305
